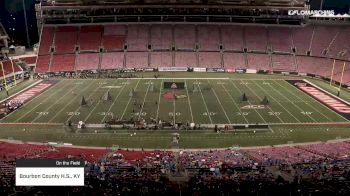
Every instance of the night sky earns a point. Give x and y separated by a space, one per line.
12 17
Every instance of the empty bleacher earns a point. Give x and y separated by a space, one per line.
64 62
161 37
283 63
136 59
161 59
232 38
210 59
256 38
280 39
87 61
113 38
42 64
339 44
185 37
302 39
137 37
90 38
112 60
318 66
66 39
185 59
7 65
258 61
234 60
208 37
46 40
322 39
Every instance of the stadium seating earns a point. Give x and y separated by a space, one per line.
90 38
113 38
258 61
136 59
337 72
318 66
286 154
185 37
210 59
16 151
185 59
88 61
322 39
232 38
208 38
112 60
8 68
137 37
42 64
29 60
65 62
161 37
280 39
338 44
256 38
65 39
283 63
161 59
114 30
336 150
302 39
46 40
234 60
90 155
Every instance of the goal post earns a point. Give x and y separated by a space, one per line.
330 83
3 75
341 78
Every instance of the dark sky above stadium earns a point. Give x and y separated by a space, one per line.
12 16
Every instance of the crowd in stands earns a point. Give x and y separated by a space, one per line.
286 170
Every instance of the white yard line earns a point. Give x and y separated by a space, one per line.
174 106
233 101
222 107
144 100
293 101
36 105
276 101
160 94
127 105
310 105
110 107
189 102
260 98
93 92
99 101
330 94
206 107
57 101
177 78
247 101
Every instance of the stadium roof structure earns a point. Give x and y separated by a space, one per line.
261 4
218 11
3 36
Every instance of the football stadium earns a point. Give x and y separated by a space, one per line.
199 97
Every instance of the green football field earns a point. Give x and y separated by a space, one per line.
205 101
213 99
